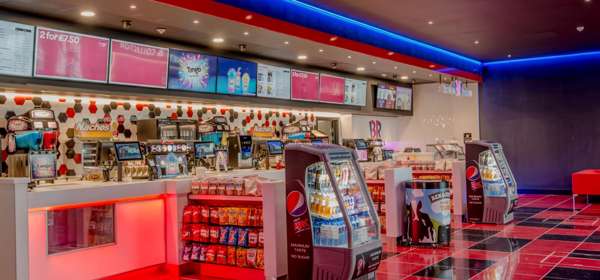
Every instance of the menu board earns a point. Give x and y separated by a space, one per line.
237 77
71 56
305 85
16 48
331 89
273 82
138 64
355 92
404 99
192 71
386 97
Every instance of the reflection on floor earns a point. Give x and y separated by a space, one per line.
547 241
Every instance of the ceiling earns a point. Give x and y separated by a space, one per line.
521 28
181 27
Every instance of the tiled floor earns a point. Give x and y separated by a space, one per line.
547 241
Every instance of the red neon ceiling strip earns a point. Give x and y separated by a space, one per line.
240 15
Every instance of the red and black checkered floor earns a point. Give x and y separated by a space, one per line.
547 241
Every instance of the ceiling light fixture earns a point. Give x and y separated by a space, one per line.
246 33
580 28
286 42
248 17
87 13
431 65
321 50
587 1
430 75
414 71
302 57
383 75
509 55
161 30
390 53
374 62
403 77
196 21
395 67
360 69
133 6
349 57
218 40
430 22
333 38
476 42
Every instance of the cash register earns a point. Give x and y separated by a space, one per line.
127 152
268 154
168 159
204 154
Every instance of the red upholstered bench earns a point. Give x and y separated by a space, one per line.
585 182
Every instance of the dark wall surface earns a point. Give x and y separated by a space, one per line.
546 114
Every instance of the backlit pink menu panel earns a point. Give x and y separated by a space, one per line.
138 65
332 89
305 85
71 56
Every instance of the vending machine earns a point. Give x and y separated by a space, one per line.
491 186
332 226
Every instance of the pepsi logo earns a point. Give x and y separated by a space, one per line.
296 204
472 173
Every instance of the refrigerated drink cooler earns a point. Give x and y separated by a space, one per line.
491 186
332 227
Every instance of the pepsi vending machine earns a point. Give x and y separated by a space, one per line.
491 186
332 227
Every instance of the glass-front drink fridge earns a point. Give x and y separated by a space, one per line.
332 226
491 186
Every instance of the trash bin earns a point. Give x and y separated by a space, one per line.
428 213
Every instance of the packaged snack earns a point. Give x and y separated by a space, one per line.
196 236
211 254
212 186
251 257
214 215
251 185
214 234
203 250
203 187
229 188
221 184
187 214
222 255
253 238
187 252
241 257
223 216
242 237
238 185
242 219
232 215
186 232
252 217
260 258
195 215
204 233
261 239
259 217
231 256
223 235
195 187
204 214
232 236
195 252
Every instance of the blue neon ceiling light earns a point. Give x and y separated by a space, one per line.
548 58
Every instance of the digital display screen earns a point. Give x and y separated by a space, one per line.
204 150
275 147
246 146
273 82
16 48
128 151
70 56
305 86
404 99
361 144
331 89
138 65
236 77
355 92
192 71
386 97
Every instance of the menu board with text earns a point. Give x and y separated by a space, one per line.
16 48
138 64
273 82
331 89
70 56
305 85
237 77
192 71
355 92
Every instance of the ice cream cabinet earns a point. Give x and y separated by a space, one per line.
491 186
332 226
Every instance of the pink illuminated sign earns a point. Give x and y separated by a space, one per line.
305 86
71 56
332 89
139 65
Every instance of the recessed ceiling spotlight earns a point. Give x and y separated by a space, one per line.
302 57
333 65
430 75
395 67
321 50
390 53
161 30
87 13
430 22
431 65
286 42
476 42
218 40
403 77
588 1
445 78
414 71
509 55
374 62
580 28
246 33
349 57
196 21
383 75
133 6
248 17
360 69
333 38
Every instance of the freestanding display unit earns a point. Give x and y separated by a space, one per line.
332 227
491 186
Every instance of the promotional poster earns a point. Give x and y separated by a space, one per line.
71 56
16 47
138 65
42 166
331 89
273 82
386 97
236 77
305 86
355 92
429 214
192 71
404 99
